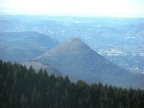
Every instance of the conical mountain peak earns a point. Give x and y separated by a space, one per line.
76 59
72 46
76 53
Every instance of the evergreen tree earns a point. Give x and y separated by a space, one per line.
24 88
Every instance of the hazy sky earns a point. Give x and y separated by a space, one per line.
74 7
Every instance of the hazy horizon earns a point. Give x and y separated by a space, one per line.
89 8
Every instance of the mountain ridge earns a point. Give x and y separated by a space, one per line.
24 46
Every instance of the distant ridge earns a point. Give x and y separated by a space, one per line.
76 59
24 46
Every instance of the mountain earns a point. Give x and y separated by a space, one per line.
24 46
118 39
76 59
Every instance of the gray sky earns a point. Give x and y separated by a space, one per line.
115 8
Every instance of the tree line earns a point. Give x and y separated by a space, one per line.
22 87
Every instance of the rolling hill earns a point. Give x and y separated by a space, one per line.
24 46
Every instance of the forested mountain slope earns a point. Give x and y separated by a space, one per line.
24 88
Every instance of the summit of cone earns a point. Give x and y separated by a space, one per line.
73 46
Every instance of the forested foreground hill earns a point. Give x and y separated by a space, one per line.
24 88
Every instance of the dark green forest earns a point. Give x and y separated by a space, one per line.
25 88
